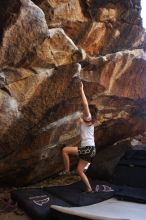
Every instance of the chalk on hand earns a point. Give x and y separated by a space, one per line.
77 70
76 78
78 66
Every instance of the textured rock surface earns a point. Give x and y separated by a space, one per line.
32 44
100 27
40 43
121 73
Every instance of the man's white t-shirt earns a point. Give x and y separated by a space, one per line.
87 133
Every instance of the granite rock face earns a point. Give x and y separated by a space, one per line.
99 27
40 43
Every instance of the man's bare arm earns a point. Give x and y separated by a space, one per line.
84 101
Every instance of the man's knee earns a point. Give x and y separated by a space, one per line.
64 150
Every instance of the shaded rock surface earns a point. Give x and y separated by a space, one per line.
40 43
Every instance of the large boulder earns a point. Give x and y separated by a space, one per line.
28 42
40 44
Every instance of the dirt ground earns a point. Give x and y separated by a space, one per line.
14 212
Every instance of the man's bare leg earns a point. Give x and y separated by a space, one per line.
80 170
66 151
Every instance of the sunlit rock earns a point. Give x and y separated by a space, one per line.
29 42
40 44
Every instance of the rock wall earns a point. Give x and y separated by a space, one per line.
41 41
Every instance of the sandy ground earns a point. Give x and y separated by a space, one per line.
13 216
17 213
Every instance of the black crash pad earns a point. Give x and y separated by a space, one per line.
36 201
131 194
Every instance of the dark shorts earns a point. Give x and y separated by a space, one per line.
87 153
